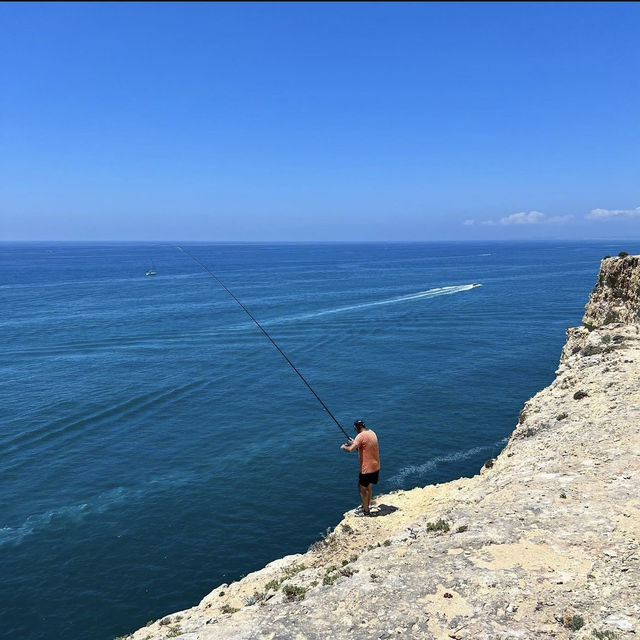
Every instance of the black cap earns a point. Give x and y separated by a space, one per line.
358 424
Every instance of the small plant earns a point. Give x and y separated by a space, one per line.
255 598
314 583
348 571
325 541
573 622
331 568
174 631
229 609
330 578
604 635
462 528
439 526
165 621
294 593
291 571
563 495
577 623
623 254
345 563
386 543
562 416
272 585
347 528
149 623
606 338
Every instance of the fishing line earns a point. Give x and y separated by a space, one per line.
271 340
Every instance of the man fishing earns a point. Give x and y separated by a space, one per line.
366 442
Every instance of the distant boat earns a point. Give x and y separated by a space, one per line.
475 284
151 272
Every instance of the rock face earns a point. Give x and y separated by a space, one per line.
543 543
616 297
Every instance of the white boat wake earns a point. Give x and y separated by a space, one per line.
420 295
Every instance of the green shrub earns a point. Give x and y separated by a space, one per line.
272 584
462 528
604 635
229 609
294 593
291 571
441 526
256 597
330 578
576 622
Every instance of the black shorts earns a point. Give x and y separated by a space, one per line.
365 479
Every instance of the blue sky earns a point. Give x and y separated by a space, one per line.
344 121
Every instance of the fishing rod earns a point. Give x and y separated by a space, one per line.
271 340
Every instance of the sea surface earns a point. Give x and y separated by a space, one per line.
154 444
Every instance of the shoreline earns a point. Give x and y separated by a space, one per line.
543 542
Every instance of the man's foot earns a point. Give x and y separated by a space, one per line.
361 513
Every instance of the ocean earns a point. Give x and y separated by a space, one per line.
154 444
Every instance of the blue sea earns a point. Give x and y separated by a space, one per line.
154 444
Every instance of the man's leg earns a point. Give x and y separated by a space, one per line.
365 497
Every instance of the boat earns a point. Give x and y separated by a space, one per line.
151 272
475 284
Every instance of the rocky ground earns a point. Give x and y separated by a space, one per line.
544 542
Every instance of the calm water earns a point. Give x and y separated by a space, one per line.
154 444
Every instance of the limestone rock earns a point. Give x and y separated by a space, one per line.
616 297
544 543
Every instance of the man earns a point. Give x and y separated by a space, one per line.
366 442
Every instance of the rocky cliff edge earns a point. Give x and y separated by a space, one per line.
543 543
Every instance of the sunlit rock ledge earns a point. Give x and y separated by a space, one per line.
544 542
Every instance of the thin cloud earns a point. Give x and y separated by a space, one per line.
533 217
523 218
608 214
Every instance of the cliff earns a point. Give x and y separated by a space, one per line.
543 543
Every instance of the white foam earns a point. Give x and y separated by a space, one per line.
431 465
420 295
69 515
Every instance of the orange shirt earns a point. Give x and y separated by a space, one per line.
367 443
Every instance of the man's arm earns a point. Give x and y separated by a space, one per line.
350 446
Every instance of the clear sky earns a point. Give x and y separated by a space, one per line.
340 121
